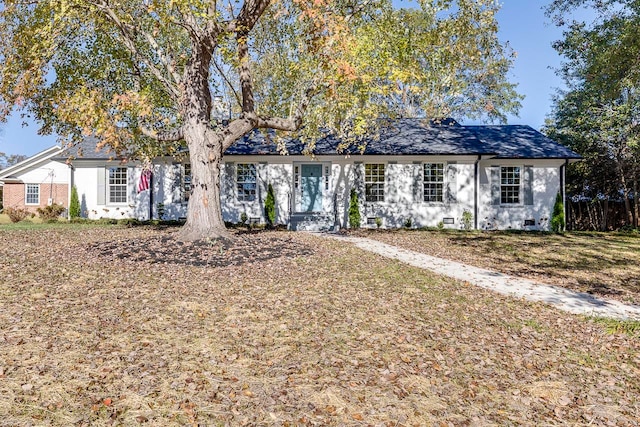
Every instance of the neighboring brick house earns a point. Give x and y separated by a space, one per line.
36 182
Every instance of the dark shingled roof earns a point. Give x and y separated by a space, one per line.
419 137
521 142
87 150
399 137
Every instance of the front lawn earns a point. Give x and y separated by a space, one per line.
603 264
115 326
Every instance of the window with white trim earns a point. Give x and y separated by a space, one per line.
117 185
374 182
32 194
246 181
433 182
509 185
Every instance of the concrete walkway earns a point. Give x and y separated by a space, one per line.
564 299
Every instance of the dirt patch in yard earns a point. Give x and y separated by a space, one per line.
602 264
314 333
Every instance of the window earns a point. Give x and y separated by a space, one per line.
433 180
186 182
117 190
246 180
32 195
510 184
374 182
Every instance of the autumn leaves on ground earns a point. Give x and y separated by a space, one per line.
115 326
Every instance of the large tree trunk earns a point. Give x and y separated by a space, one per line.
204 213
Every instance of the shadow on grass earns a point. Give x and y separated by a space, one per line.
247 247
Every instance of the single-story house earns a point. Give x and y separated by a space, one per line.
415 172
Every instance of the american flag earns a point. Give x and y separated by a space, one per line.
145 179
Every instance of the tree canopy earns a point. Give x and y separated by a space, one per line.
146 76
598 115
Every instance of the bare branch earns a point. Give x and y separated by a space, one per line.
127 40
227 81
168 136
236 129
166 60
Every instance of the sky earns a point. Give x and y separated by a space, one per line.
522 23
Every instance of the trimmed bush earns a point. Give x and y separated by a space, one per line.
17 214
354 210
74 204
467 220
270 206
51 212
557 219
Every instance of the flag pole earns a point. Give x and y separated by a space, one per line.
151 194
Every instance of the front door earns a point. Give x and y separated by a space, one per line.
311 188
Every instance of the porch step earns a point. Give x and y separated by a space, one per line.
311 221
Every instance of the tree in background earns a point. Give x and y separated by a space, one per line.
146 76
599 114
7 160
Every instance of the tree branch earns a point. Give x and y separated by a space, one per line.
251 120
128 42
168 136
226 80
246 85
166 60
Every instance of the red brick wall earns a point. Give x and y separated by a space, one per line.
14 194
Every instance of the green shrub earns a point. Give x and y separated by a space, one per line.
408 223
440 225
17 214
378 222
354 210
160 209
51 212
270 206
74 204
557 219
467 220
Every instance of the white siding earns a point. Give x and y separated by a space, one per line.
46 172
545 186
403 191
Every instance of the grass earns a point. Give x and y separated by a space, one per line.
328 336
603 264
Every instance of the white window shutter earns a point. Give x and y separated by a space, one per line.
102 188
495 185
452 182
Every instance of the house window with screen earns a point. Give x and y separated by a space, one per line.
117 190
32 196
246 182
433 179
509 185
374 182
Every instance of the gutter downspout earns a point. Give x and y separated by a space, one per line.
69 188
475 193
151 195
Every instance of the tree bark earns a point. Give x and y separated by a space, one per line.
204 212
636 202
